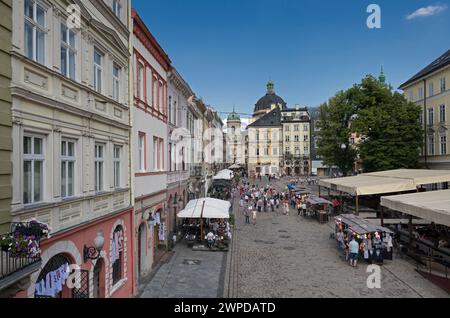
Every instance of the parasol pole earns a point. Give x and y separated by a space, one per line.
201 220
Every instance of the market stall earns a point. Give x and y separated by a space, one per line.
376 241
205 216
319 208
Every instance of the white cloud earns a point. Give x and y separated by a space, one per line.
427 11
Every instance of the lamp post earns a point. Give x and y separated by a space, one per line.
93 252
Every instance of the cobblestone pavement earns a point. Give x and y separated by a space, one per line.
188 274
293 257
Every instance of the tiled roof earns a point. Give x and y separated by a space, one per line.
271 119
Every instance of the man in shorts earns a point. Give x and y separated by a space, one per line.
354 251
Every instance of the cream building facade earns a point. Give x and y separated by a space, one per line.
430 89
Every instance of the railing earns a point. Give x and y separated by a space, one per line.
10 265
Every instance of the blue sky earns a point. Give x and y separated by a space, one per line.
228 49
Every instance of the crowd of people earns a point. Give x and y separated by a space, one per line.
254 199
372 247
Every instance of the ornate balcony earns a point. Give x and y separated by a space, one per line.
20 256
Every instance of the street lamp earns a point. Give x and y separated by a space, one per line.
93 252
343 146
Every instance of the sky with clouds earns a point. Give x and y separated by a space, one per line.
228 49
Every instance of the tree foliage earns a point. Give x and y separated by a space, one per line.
387 121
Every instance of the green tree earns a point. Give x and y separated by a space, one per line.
334 133
390 125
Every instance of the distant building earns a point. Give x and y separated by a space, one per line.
279 138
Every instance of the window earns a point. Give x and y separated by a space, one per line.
257 136
430 116
160 97
411 96
305 138
141 149
420 93
117 163
431 89
140 79
442 113
35 31
170 110
305 127
155 93
275 151
117 8
266 151
288 150
158 155
275 136
33 169
443 145
67 168
431 145
297 138
98 57
287 139
297 151
286 128
174 113
116 82
296 127
117 251
306 150
68 52
443 87
170 158
99 165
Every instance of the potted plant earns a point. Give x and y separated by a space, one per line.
33 229
6 242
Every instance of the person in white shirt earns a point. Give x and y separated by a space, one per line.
210 238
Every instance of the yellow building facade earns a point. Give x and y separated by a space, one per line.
430 89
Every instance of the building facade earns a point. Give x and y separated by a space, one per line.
278 140
179 140
235 140
70 110
430 89
149 138
296 124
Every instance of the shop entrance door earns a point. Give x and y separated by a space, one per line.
99 286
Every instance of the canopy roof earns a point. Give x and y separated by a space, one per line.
318 201
235 166
432 206
214 209
224 175
386 181
361 226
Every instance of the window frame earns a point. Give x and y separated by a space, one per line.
70 48
66 158
36 27
116 82
442 113
142 146
117 164
99 174
98 81
443 145
32 157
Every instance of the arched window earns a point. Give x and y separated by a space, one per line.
53 278
117 250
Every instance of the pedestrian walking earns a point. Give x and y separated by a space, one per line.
254 217
247 213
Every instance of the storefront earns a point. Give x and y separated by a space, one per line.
89 261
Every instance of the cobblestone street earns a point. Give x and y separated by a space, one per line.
289 256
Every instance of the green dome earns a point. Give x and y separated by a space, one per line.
234 117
